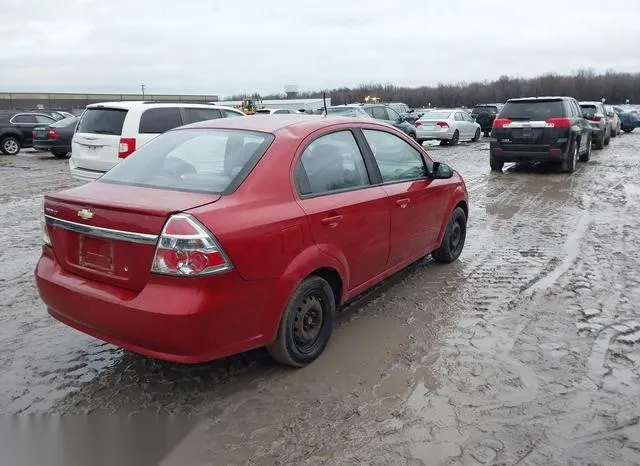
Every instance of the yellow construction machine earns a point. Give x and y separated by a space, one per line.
249 106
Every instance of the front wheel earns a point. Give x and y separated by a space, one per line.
628 130
454 238
476 137
306 325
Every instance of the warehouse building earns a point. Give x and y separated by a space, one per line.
74 102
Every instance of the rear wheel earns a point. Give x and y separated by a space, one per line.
454 238
628 130
587 155
486 134
59 154
306 325
476 137
600 143
9 145
444 142
496 164
455 138
571 159
607 139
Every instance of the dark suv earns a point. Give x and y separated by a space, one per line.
389 115
16 129
540 129
484 114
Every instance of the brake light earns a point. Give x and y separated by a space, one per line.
53 134
501 123
187 248
418 123
442 124
126 148
558 122
596 118
43 226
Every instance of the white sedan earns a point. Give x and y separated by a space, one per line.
447 126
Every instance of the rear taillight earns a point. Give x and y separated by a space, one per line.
442 124
126 148
418 123
596 118
187 248
43 225
501 123
53 134
558 122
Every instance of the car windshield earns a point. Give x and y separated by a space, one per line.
197 160
102 121
532 110
436 115
484 108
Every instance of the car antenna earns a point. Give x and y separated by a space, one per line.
324 102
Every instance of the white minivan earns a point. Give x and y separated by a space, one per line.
109 132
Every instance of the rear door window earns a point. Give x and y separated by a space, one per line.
331 163
458 116
25 118
102 121
393 115
528 110
193 115
159 120
378 113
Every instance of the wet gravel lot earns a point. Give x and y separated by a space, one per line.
525 351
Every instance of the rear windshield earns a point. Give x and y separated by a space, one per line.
436 115
197 160
64 122
345 111
538 110
484 108
102 121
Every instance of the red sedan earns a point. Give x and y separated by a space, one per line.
231 234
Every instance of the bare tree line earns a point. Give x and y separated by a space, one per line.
616 88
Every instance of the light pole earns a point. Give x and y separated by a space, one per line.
142 88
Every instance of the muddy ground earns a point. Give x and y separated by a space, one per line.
525 351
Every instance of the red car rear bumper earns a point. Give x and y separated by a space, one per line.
176 319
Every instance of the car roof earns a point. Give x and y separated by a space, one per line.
275 123
487 105
128 105
540 98
590 102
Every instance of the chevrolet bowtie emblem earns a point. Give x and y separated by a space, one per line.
85 214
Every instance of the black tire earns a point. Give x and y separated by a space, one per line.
420 141
495 163
413 136
628 130
614 132
571 159
487 134
454 238
607 140
60 154
455 138
587 155
444 142
476 137
10 145
599 143
313 303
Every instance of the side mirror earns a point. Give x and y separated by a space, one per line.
441 171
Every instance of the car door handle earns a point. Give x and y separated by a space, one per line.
402 203
332 221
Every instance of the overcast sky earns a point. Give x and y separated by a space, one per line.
216 47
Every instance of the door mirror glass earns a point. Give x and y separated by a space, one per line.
441 171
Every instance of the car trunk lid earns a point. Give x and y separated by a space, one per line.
108 232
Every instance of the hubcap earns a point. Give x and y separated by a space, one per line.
456 236
307 323
11 146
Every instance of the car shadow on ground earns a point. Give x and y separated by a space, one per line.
151 384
